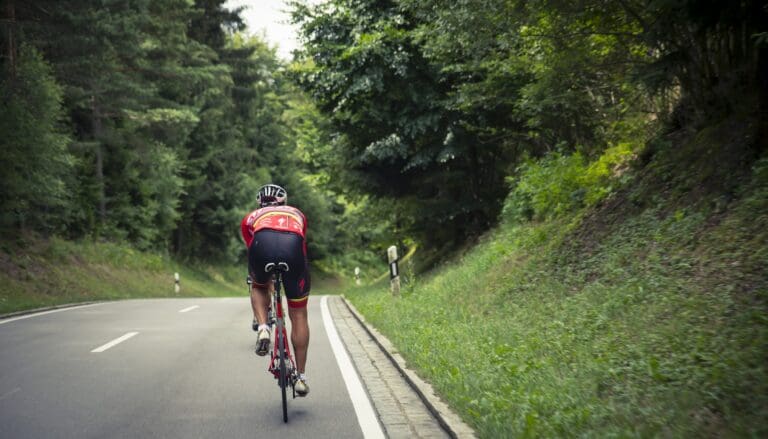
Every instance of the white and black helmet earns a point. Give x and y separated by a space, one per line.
272 195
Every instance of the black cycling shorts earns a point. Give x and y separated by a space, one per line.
274 246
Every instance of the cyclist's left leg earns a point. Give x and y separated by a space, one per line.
259 303
265 243
258 254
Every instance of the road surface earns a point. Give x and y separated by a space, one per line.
162 368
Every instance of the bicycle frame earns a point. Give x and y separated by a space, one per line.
278 320
281 363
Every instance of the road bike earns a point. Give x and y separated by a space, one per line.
281 363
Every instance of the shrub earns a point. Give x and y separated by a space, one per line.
557 183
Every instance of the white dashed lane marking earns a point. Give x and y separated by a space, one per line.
114 342
190 308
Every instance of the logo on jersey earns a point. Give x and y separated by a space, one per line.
279 220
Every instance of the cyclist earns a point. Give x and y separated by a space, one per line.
276 232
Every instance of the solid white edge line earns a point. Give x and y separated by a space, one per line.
366 417
114 342
190 308
42 313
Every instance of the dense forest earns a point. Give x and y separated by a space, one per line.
154 121
149 122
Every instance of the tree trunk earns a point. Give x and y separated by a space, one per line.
179 239
10 34
762 83
100 180
97 135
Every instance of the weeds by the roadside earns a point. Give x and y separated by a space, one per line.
658 328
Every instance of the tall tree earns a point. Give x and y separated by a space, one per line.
33 147
395 137
435 101
706 48
116 65
215 148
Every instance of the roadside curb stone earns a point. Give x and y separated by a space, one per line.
450 422
399 409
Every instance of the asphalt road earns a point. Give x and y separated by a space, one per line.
187 371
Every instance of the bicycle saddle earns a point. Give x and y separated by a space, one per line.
282 266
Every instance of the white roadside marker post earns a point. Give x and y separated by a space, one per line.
357 276
394 275
176 283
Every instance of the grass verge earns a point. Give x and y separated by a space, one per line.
37 273
642 317
40 273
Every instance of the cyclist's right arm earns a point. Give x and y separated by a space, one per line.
246 227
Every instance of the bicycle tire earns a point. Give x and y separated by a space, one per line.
283 378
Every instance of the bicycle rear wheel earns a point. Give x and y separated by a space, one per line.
283 376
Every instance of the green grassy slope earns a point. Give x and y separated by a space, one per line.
644 316
39 273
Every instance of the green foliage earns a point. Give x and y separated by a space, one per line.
33 153
547 188
439 100
155 188
174 123
122 69
392 136
703 48
559 184
532 75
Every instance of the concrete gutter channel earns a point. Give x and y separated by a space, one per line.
450 423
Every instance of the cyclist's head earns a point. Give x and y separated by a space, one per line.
272 195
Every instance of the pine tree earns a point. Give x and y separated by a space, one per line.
127 76
33 147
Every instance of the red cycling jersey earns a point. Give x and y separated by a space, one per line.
280 218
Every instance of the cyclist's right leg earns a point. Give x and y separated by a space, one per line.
299 336
300 341
296 283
